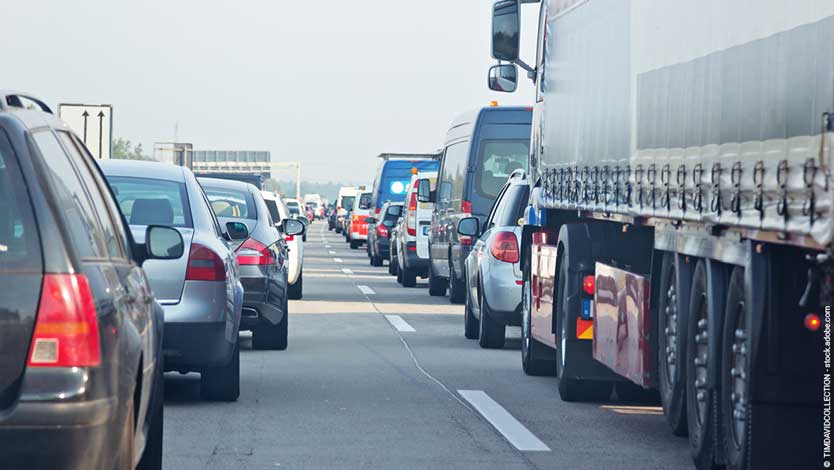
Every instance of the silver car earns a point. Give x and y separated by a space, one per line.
200 292
492 270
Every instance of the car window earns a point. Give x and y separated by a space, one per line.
365 201
347 202
391 215
102 202
453 180
498 159
19 240
272 206
512 206
150 201
73 203
231 203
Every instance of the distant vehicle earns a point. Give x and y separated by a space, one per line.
492 270
311 215
362 209
81 337
412 245
483 147
316 203
256 180
200 291
379 241
332 217
279 211
262 257
344 204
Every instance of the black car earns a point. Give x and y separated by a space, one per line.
379 238
80 332
263 259
332 217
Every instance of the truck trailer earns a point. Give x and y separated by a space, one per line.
678 236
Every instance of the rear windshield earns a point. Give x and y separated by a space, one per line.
391 215
396 174
347 202
498 159
19 244
365 201
149 201
231 203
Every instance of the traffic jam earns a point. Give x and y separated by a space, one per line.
632 271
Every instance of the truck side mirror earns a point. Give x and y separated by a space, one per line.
503 78
424 190
505 30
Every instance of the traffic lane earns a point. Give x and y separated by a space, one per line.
621 435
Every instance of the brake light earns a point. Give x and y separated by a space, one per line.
412 201
382 231
466 206
66 330
812 322
289 238
588 284
465 240
505 247
204 265
253 252
377 210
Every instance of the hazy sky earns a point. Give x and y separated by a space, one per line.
331 83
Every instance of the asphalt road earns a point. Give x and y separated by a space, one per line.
353 391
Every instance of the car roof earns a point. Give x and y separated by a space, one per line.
142 169
228 184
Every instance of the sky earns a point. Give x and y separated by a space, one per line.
329 83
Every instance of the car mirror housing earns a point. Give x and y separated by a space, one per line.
469 227
162 242
292 227
237 230
503 78
424 190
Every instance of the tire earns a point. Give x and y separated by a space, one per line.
354 245
536 358
409 277
304 237
296 291
222 383
437 286
736 396
376 261
457 289
471 325
152 456
124 456
570 388
671 370
271 337
632 393
399 276
492 333
392 267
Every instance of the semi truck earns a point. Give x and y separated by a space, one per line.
677 241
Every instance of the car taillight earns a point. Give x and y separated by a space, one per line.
505 247
289 238
204 265
588 284
377 210
412 201
382 231
465 240
466 206
66 330
253 252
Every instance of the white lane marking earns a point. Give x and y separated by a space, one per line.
503 421
327 246
401 325
332 252
366 290
347 271
337 260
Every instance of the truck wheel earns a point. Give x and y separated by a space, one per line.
471 325
295 291
736 410
437 285
409 277
670 348
457 292
570 388
701 400
222 383
493 332
536 358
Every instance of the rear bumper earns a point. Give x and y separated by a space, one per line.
195 346
502 294
412 260
358 236
201 302
265 293
383 247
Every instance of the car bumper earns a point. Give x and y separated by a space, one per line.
501 292
264 295
412 260
195 346
383 247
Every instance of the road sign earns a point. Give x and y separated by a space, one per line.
94 125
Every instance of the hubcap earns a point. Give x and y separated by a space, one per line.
701 360
671 331
738 377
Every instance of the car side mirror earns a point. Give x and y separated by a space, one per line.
237 230
163 242
469 227
506 28
424 190
292 227
304 220
503 78
370 220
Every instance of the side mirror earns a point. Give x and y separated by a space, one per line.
304 220
469 227
505 30
424 190
292 227
237 230
163 242
503 78
370 220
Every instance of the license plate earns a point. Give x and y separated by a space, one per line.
425 229
587 309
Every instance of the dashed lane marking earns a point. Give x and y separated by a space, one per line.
501 419
401 325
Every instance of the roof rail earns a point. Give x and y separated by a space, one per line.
518 173
14 99
409 156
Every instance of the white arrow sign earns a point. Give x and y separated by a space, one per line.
93 124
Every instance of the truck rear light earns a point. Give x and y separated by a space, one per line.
204 265
588 284
382 231
466 206
812 322
505 247
253 252
66 330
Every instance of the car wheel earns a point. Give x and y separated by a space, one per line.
295 291
222 383
124 457
400 276
457 288
493 332
536 358
152 456
471 325
354 245
437 285
271 337
304 237
409 277
392 266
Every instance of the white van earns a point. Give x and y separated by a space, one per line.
412 242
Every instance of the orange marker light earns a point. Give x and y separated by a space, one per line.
493 104
588 284
812 322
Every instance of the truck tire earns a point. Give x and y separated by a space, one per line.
492 332
670 349
457 288
701 400
296 291
736 396
437 285
536 358
222 383
409 277
471 325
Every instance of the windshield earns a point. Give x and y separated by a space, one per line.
498 159
148 201
347 202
